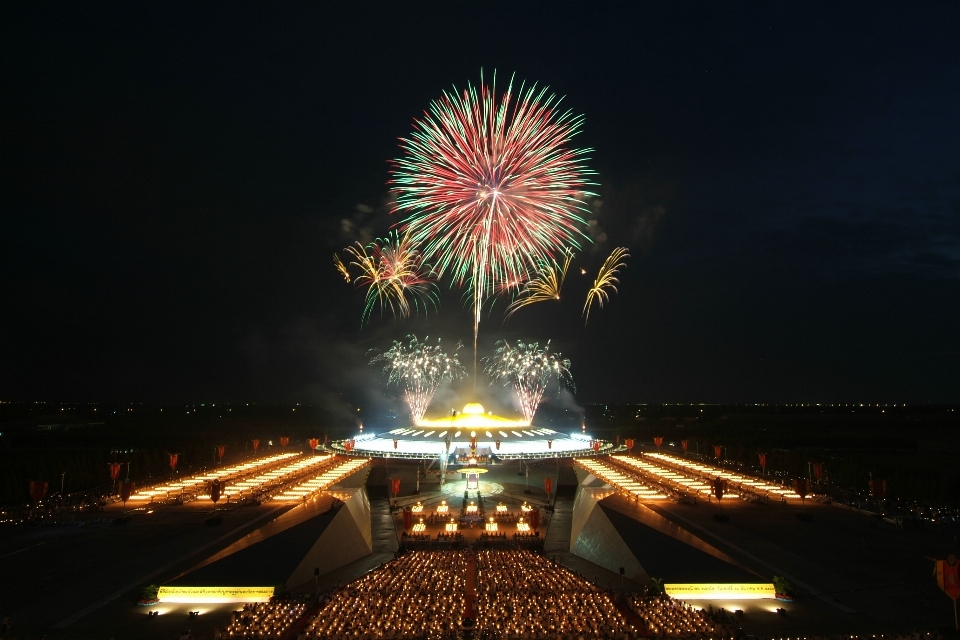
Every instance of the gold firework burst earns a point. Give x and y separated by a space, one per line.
606 280
545 286
342 268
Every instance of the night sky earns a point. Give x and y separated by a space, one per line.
176 179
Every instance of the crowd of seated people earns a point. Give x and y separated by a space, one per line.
531 535
409 537
449 537
521 594
669 618
473 459
262 620
506 517
493 535
418 595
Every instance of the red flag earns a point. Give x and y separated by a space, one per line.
719 486
220 451
173 460
629 443
684 444
38 489
395 485
548 485
800 486
658 441
215 489
407 518
534 518
763 461
394 443
313 442
473 442
126 488
497 443
717 451
114 470
256 445
284 441
818 470
948 576
596 445
549 444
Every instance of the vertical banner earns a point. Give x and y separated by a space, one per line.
548 485
800 486
719 486
126 488
948 579
38 489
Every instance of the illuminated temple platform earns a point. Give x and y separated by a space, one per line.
473 429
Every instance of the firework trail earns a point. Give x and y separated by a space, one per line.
545 286
490 188
394 273
606 279
529 369
341 268
418 368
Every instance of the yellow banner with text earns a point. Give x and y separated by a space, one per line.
214 594
710 591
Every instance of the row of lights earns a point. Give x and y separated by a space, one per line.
620 480
323 480
190 482
708 469
280 474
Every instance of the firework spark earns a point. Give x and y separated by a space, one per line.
529 370
606 279
545 286
490 188
395 275
418 368
342 268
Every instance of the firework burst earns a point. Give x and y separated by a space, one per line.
529 370
606 280
418 368
394 273
545 286
341 268
490 187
